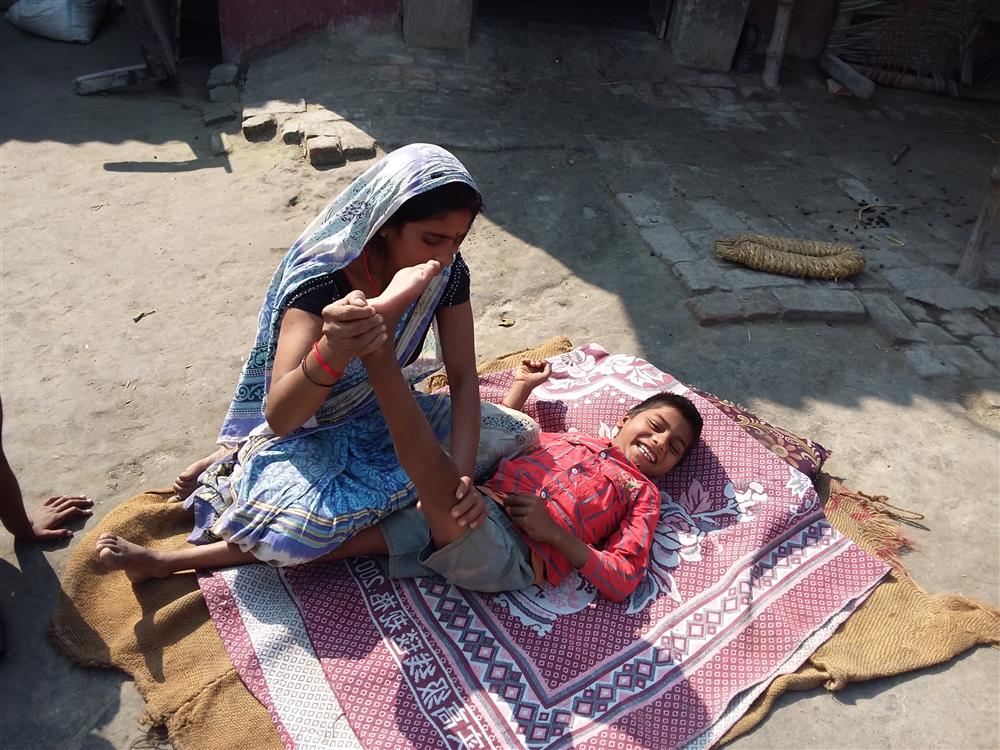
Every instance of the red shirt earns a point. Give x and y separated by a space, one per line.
595 493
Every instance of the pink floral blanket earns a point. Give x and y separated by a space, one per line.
746 579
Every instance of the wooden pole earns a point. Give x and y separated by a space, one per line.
859 85
970 270
776 49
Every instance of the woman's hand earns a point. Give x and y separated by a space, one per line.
351 327
470 511
528 512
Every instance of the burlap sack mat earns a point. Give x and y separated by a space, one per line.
899 628
159 632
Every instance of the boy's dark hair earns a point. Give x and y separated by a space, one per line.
687 409
452 196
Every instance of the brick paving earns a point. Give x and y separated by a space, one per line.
691 158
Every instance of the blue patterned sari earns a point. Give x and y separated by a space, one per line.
291 499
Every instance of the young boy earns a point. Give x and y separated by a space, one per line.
574 502
571 502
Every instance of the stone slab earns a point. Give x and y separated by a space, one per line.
290 132
738 278
644 210
869 281
832 305
889 319
216 112
293 126
224 74
933 286
704 35
932 333
719 308
667 243
274 107
224 94
968 361
989 347
723 219
915 312
916 277
965 324
699 276
928 363
259 128
220 143
325 151
356 143
949 298
703 241
879 258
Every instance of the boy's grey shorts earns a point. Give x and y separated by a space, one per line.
491 557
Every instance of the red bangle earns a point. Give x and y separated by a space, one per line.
326 367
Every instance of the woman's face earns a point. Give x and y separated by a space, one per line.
437 238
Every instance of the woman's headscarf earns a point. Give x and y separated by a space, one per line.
335 238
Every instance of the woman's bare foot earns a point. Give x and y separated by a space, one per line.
408 284
139 563
187 480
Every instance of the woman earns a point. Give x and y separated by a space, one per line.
314 463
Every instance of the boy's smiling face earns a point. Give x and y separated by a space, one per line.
655 440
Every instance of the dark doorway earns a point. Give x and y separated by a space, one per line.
632 15
198 31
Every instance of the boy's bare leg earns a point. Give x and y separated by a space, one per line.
428 465
142 563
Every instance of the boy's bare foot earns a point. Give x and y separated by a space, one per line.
187 480
139 563
408 284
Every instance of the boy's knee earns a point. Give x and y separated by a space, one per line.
504 433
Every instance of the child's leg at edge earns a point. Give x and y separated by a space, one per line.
428 465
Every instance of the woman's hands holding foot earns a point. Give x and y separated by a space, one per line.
352 327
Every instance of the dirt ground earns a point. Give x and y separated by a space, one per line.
112 206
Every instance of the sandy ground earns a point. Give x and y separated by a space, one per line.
112 206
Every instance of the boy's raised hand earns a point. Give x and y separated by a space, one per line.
532 372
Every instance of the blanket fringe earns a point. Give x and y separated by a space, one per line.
870 520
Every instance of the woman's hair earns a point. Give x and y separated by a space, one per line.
687 409
452 196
